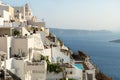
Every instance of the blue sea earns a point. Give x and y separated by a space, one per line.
105 54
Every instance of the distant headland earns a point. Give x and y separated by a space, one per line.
115 41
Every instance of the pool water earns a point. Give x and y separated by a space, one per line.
80 66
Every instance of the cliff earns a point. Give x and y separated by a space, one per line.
81 56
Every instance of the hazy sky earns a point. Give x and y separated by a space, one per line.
76 14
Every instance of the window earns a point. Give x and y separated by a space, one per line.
10 51
22 17
17 11
20 52
65 72
16 16
29 14
70 72
90 76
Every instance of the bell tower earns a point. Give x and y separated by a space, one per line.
28 12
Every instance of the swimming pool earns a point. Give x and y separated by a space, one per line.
80 66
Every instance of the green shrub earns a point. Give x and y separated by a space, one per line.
54 68
71 79
16 32
61 42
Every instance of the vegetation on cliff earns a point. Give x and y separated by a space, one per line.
102 76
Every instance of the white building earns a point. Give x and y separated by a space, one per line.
32 42
19 13
5 45
16 66
20 45
57 56
73 72
7 8
5 17
6 14
26 69
90 74
35 70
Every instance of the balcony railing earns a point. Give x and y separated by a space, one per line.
36 63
